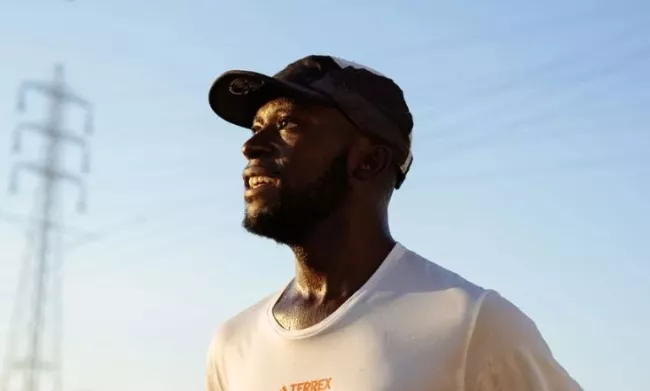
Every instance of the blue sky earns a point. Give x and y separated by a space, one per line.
531 171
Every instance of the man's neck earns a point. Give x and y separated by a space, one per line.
339 258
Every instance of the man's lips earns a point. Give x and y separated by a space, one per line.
257 177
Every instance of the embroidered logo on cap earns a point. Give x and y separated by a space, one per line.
245 85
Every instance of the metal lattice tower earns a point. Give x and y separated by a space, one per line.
34 348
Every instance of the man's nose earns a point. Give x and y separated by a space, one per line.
257 146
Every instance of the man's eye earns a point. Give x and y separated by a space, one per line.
284 123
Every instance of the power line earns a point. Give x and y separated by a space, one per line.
538 117
521 79
28 361
523 29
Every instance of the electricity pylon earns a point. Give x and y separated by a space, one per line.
34 350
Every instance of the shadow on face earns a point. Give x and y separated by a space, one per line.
298 169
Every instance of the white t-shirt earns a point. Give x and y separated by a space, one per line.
413 326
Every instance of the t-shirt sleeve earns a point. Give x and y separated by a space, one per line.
506 352
214 381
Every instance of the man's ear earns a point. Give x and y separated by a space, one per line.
373 162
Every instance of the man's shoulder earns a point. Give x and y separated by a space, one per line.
497 318
490 309
429 292
425 274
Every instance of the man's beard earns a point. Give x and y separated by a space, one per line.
298 211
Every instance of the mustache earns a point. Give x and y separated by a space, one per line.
271 166
262 169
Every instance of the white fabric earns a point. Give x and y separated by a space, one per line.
346 63
409 157
413 326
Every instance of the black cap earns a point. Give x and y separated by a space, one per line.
370 100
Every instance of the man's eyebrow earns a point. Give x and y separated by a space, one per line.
283 109
282 112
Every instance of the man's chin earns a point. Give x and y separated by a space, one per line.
259 222
271 226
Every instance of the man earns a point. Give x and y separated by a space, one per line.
331 141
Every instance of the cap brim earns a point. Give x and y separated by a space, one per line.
239 107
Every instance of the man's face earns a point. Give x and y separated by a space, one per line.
297 172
